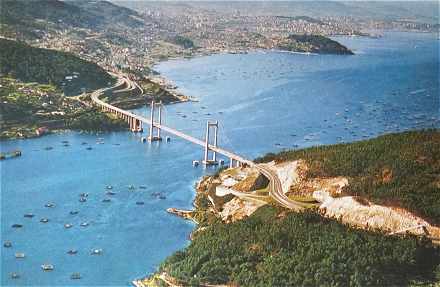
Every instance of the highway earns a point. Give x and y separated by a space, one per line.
275 186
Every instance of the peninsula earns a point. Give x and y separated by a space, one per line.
244 238
313 44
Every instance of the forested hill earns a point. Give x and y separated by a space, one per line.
29 18
313 44
30 64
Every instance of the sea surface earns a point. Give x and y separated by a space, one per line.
264 102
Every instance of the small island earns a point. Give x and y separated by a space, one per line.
313 44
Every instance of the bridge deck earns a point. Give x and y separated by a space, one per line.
130 86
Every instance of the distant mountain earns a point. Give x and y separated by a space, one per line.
64 70
421 11
28 18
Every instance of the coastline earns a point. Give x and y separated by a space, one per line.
332 202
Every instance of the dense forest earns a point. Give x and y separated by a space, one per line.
272 248
313 44
396 169
30 64
185 42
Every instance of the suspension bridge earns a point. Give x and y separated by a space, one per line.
137 123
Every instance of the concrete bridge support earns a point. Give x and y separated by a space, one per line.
234 163
213 160
156 137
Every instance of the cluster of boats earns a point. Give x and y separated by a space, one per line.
365 120
82 198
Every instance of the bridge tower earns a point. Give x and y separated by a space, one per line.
213 160
156 137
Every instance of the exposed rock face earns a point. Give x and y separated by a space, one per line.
237 209
253 181
367 215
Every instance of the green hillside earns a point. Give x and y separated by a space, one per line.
30 18
313 44
397 169
30 64
272 249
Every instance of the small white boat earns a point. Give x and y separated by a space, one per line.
68 225
47 267
20 255
96 252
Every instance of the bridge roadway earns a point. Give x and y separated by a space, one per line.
275 186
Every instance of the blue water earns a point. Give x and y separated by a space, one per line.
264 102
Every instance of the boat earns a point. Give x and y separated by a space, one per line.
15 275
131 187
68 225
74 212
110 193
142 187
49 205
109 187
89 148
106 200
7 244
82 199
16 225
44 220
75 276
47 267
84 224
72 252
29 215
140 203
19 255
96 252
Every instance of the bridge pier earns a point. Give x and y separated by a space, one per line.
213 160
234 163
151 136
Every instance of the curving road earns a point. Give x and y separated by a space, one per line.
275 186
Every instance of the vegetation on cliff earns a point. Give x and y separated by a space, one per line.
274 249
30 64
396 169
27 106
95 120
313 44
